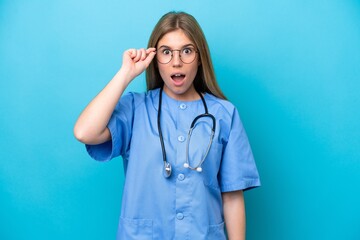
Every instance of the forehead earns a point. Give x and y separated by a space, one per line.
175 39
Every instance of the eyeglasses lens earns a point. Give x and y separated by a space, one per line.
187 55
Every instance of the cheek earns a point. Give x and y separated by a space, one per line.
194 70
162 71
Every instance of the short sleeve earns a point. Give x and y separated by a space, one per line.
120 126
238 169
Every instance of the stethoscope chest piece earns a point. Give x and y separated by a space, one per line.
167 170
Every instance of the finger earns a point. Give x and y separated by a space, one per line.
143 54
134 53
149 58
130 53
149 50
138 56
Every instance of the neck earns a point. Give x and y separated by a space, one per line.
190 95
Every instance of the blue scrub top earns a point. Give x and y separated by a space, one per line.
188 205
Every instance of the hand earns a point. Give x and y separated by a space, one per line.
135 61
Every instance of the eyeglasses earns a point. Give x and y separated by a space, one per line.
187 54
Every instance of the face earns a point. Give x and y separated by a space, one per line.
178 76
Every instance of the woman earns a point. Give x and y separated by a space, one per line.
179 184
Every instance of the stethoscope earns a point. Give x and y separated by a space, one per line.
198 168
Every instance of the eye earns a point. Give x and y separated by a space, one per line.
166 51
187 51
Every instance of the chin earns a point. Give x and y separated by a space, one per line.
179 90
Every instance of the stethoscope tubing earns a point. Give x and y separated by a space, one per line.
167 166
198 166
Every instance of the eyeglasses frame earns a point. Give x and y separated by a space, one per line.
172 55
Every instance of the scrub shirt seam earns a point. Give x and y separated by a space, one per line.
243 185
190 216
217 100
142 101
114 138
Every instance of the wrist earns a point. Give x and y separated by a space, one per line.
124 76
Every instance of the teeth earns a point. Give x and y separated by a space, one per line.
177 75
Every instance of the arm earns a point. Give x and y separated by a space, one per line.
234 214
91 126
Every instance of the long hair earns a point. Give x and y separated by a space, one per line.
205 80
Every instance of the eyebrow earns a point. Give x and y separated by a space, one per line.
186 45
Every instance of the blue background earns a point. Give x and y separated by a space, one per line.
291 68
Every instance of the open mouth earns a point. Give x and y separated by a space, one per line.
178 77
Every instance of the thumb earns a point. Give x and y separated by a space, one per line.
149 58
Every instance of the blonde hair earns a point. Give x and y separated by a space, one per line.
205 80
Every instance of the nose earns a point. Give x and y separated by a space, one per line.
176 61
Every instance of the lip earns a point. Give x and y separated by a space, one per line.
178 83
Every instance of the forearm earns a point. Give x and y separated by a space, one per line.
91 125
234 214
